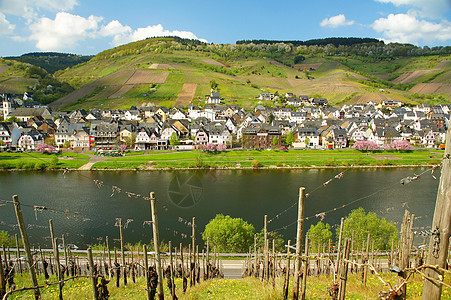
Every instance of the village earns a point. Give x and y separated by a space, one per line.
301 123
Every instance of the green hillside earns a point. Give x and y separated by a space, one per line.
173 71
51 61
18 78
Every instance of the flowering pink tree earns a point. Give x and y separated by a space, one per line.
44 148
366 146
123 147
222 147
398 145
210 147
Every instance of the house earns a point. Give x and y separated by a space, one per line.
319 101
29 140
261 137
214 98
219 134
306 137
24 114
148 139
340 138
9 133
104 136
201 138
80 141
266 96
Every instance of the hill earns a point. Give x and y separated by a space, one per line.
172 71
18 78
51 61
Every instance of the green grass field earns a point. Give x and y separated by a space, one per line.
247 288
269 159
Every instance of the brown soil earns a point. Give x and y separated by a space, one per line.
3 68
186 94
124 89
444 89
425 88
410 76
442 64
147 77
161 66
374 97
74 96
213 62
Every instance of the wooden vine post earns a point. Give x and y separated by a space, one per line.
121 234
156 242
344 270
193 239
300 230
287 274
439 241
146 272
404 248
306 267
93 276
23 233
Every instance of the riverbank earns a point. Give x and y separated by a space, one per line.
226 160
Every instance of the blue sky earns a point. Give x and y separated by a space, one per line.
88 27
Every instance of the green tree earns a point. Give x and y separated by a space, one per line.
7 240
306 141
272 235
229 234
382 232
275 141
213 84
66 144
290 138
130 141
174 139
319 235
271 118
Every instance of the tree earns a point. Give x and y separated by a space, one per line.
365 146
306 141
272 235
44 148
319 235
66 144
174 140
290 138
130 141
271 118
8 240
229 234
123 147
382 232
275 141
213 84
398 145
209 147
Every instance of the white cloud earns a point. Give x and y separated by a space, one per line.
28 8
336 21
124 34
405 28
5 26
64 32
429 8
67 30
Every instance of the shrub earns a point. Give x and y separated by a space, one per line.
256 164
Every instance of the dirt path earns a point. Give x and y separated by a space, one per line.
92 160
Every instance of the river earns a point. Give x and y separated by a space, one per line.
84 207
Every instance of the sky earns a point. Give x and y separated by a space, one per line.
88 27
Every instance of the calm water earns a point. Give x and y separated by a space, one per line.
91 211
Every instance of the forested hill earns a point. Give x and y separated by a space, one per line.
51 61
336 41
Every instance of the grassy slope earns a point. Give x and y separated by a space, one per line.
247 288
252 76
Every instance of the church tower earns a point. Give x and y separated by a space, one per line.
6 106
